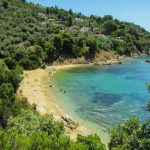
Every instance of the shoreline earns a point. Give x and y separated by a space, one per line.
35 87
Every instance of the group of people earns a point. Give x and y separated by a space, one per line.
62 90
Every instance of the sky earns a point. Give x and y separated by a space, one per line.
136 11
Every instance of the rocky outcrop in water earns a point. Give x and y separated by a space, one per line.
147 61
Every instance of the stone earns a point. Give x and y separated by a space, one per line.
69 123
147 61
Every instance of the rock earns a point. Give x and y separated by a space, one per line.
108 64
34 106
147 61
96 64
120 62
70 123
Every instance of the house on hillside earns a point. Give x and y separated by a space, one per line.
96 31
78 20
85 29
42 15
51 20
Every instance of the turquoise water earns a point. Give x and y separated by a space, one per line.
104 96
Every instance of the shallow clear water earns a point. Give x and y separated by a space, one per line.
104 96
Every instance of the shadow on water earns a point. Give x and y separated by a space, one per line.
107 98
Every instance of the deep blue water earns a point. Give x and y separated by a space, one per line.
105 95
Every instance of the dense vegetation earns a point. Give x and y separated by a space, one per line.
32 36
29 131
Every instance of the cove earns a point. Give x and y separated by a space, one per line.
101 97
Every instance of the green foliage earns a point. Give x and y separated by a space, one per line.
109 27
92 142
93 46
148 106
58 42
79 51
29 130
3 72
68 42
107 18
70 21
25 27
148 87
128 135
29 121
5 4
7 99
7 91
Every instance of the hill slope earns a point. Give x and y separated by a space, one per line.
33 35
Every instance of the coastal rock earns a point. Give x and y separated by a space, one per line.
69 123
147 61
96 64
120 62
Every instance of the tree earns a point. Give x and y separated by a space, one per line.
58 42
49 125
70 12
5 4
39 51
10 62
148 105
68 42
14 78
47 10
29 121
10 140
79 51
98 20
51 52
109 27
93 46
107 18
69 21
93 142
7 99
126 135
3 72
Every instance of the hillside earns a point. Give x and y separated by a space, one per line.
33 35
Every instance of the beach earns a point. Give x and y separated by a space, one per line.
36 88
